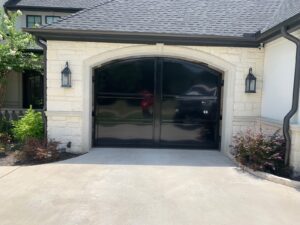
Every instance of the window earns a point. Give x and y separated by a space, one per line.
52 19
33 90
32 21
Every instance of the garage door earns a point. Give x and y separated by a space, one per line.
157 101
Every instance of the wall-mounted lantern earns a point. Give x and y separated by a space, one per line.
250 82
66 76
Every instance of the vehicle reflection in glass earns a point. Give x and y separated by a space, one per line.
198 104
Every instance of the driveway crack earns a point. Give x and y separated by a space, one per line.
9 172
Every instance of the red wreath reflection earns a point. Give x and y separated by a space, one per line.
147 103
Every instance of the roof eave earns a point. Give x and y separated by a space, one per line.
141 38
273 33
41 8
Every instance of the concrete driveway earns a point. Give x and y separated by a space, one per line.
143 187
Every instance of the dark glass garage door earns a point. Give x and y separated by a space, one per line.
156 102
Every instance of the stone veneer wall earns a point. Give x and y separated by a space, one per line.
66 105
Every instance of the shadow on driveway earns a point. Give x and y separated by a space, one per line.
159 157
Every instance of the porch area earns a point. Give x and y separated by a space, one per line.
23 90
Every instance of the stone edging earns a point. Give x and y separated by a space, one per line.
272 178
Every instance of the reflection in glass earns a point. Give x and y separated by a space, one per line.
186 134
124 109
190 104
189 110
124 102
157 101
186 78
130 77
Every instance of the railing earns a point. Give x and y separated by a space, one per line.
12 114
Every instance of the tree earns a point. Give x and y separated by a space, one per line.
14 54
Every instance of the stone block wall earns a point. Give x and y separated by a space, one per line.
66 105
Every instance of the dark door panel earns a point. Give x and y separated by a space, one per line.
190 108
156 102
124 103
124 109
33 90
109 133
201 135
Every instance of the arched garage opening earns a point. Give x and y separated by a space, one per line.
156 102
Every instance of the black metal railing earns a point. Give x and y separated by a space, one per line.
13 114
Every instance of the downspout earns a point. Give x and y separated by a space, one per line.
42 44
295 100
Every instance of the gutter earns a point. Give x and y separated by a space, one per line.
143 37
42 8
269 35
42 44
295 100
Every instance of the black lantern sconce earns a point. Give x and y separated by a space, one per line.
250 82
66 76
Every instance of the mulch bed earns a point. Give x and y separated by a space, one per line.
9 159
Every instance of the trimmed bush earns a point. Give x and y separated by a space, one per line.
29 126
36 150
259 151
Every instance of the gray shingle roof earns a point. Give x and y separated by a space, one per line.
199 17
186 17
75 4
286 10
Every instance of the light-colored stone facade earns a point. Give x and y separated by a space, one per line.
69 109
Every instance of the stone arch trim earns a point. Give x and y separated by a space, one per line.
185 53
161 50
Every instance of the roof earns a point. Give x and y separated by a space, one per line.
286 10
197 18
68 5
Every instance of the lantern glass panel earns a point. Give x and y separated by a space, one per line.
252 85
65 80
66 76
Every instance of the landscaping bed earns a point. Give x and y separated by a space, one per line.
259 153
11 159
22 142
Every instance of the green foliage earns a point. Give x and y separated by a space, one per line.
5 126
259 151
29 126
14 54
5 134
14 43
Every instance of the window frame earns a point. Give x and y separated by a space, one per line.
46 17
27 17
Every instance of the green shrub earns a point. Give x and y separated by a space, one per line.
5 126
259 151
29 126
5 134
